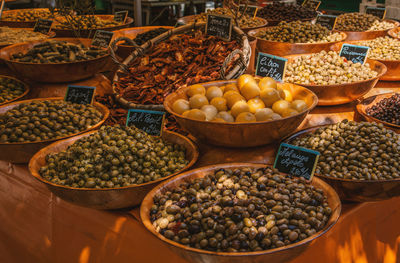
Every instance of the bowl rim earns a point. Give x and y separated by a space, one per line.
183 89
396 24
181 178
121 31
291 137
26 89
35 173
99 106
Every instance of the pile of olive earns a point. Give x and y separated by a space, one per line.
361 22
382 48
45 120
26 15
286 12
85 23
142 38
299 32
387 110
240 210
244 21
10 89
114 157
326 68
248 100
356 151
54 51
9 36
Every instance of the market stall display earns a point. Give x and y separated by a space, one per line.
12 89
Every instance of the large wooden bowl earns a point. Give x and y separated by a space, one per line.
276 255
26 87
113 198
19 24
22 152
344 93
366 35
90 33
54 72
242 134
284 49
356 190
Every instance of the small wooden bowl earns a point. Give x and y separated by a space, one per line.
113 198
22 152
393 32
366 35
282 254
20 24
284 49
20 96
352 190
54 72
242 135
90 33
344 93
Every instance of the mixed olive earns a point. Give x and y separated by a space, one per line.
382 48
361 22
244 21
85 22
10 89
26 15
286 12
9 36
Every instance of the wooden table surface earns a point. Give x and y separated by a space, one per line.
36 226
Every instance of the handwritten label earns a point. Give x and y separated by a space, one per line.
219 26
43 26
327 21
102 38
357 54
80 94
151 122
312 4
271 66
251 10
121 16
376 11
296 161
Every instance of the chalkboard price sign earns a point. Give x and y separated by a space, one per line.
151 122
80 94
376 11
327 21
357 54
102 38
271 66
219 26
296 161
121 16
251 10
312 4
43 26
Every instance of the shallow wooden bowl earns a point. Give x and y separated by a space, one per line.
54 72
352 190
366 35
284 49
344 93
241 135
276 255
22 152
26 87
90 33
113 198
19 24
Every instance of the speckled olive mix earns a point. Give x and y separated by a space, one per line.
361 22
387 110
383 48
54 51
240 210
10 89
142 38
85 23
28 15
114 157
47 119
299 32
10 36
356 151
326 68
286 12
244 22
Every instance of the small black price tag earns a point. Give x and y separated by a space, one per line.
312 4
376 11
151 122
121 16
219 26
251 10
296 161
327 21
356 54
271 66
102 38
80 94
43 26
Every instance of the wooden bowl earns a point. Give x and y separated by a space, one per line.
282 254
54 72
22 152
20 96
90 33
284 49
352 190
344 93
20 24
125 50
242 134
393 32
366 35
113 198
